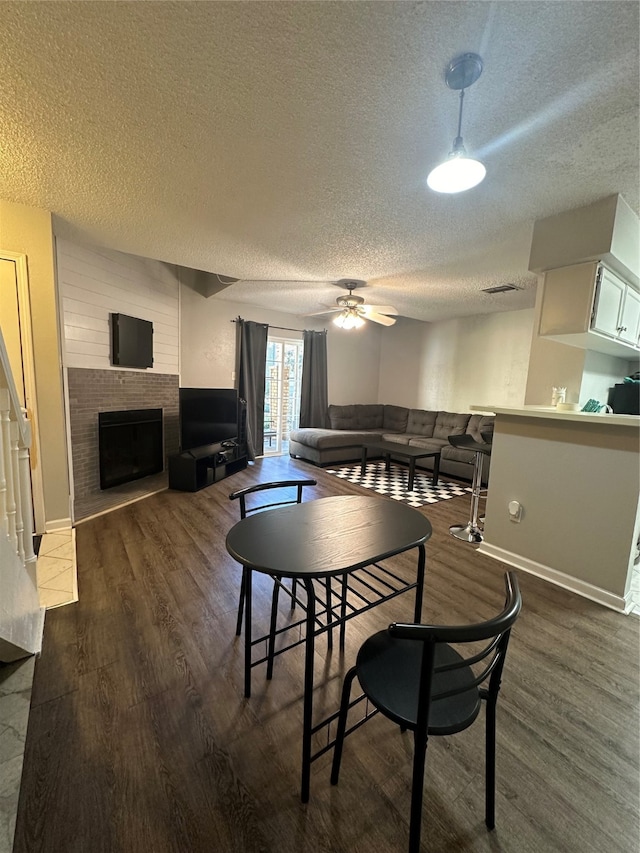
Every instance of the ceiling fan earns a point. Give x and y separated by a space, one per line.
352 311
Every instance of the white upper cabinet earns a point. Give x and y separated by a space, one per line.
609 298
616 309
629 329
588 306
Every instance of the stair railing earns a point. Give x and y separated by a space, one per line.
16 507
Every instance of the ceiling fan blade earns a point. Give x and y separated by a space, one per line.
324 311
379 318
380 309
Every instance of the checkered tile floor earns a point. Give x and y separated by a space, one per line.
394 484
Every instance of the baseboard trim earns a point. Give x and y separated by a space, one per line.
57 524
580 587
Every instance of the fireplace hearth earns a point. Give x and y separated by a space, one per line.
130 445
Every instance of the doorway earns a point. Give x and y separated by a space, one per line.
15 322
283 376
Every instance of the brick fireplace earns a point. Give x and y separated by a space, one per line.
94 391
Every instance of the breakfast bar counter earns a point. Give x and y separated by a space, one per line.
588 419
564 498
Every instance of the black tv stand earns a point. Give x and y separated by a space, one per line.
202 466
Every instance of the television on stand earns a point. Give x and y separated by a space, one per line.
208 416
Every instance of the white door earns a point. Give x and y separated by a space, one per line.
15 322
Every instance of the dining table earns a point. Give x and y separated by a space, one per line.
348 539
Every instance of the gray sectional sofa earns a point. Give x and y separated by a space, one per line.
355 425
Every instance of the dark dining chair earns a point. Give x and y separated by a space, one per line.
413 675
282 497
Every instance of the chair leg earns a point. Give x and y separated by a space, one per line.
342 724
417 786
240 606
490 766
471 531
272 628
294 585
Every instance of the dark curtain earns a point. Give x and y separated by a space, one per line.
251 357
313 391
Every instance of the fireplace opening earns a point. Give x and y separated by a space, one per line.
130 445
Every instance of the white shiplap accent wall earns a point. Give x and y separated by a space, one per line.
95 282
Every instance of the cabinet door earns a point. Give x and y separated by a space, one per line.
630 317
608 304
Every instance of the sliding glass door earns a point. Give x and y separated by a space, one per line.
282 393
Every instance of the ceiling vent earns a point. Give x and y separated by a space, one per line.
500 288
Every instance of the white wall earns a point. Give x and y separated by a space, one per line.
95 282
208 347
601 372
577 483
401 362
455 364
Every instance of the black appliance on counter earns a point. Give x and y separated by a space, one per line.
624 398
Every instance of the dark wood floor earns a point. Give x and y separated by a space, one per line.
140 740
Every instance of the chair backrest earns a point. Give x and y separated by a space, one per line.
487 664
282 498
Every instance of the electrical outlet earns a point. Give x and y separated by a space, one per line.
515 511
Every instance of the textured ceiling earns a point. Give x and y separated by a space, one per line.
291 141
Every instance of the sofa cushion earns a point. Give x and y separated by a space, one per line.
342 417
369 416
450 423
325 438
395 418
396 437
421 422
358 416
481 427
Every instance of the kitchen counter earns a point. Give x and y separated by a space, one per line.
588 418
576 476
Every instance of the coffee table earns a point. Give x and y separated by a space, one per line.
386 448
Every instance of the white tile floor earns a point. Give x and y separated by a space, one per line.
635 590
15 696
56 569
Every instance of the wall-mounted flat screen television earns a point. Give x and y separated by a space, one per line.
131 341
207 416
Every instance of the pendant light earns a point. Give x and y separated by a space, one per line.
459 172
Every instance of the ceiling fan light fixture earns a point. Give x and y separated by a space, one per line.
459 172
349 319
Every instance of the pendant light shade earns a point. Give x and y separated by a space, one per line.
459 172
